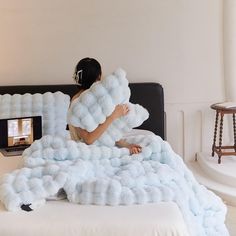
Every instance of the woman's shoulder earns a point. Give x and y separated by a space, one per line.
76 95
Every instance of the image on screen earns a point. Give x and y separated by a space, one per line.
20 132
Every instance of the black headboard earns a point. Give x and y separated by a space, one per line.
149 95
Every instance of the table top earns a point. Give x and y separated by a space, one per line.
224 107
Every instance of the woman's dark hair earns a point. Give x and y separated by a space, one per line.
87 71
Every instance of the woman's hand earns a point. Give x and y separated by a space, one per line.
134 148
120 110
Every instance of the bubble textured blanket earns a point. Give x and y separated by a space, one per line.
102 175
94 105
106 175
52 107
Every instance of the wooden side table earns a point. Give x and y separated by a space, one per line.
223 150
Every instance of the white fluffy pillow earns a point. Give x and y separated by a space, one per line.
52 107
94 105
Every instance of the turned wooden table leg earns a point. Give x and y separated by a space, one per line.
220 136
234 125
215 134
217 146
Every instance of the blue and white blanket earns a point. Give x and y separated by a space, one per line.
95 104
110 176
52 107
107 175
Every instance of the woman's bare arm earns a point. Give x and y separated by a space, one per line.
91 137
122 143
133 148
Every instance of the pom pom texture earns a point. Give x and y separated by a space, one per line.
52 107
94 105
104 174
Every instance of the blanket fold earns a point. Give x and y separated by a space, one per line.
101 175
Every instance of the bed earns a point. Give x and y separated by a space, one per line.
67 219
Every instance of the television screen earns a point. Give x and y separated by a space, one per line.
20 131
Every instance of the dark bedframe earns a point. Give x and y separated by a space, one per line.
149 95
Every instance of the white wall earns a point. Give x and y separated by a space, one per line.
177 43
229 35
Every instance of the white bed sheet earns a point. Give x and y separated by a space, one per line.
61 218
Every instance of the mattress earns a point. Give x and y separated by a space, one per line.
64 218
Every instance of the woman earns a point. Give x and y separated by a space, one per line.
88 71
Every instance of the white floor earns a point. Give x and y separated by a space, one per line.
221 178
221 172
231 220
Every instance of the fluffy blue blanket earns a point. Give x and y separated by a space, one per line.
107 175
110 176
